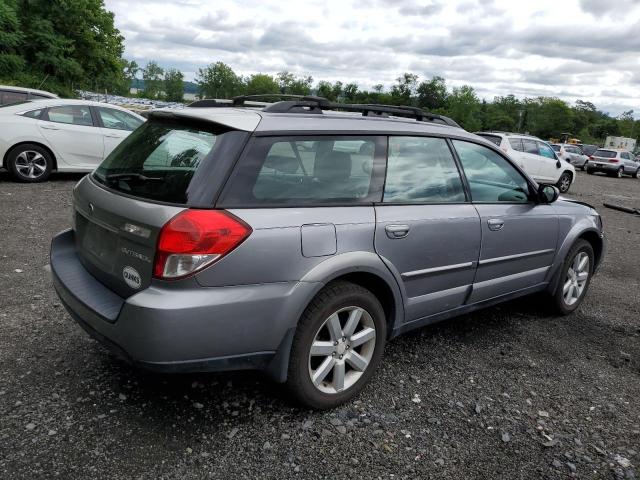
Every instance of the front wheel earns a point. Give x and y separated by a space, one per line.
575 277
564 182
337 346
637 173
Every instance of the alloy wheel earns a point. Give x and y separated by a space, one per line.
342 350
620 173
31 164
565 183
576 279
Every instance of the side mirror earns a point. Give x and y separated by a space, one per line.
558 164
548 193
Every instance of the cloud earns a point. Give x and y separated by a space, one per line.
499 47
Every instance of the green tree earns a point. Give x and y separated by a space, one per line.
547 116
174 85
350 92
218 80
261 83
464 106
292 85
627 124
432 94
10 39
325 89
60 45
153 81
404 88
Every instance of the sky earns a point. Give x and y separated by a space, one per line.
571 49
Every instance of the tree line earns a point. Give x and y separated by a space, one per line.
64 46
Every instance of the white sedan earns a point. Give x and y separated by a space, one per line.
38 137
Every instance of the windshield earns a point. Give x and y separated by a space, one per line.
605 154
158 161
556 148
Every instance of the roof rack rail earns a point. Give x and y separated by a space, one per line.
316 105
310 104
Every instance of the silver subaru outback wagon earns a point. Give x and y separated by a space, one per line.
299 237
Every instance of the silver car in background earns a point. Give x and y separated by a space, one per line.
571 153
615 163
298 239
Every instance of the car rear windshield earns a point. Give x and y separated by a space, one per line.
495 139
605 154
158 160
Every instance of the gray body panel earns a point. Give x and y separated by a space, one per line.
241 311
436 259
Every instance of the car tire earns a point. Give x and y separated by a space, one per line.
620 172
571 289
29 163
637 173
314 377
564 183
589 171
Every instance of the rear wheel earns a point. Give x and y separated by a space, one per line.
619 172
575 277
589 171
564 182
337 346
637 173
29 163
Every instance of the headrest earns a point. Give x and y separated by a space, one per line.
332 166
282 164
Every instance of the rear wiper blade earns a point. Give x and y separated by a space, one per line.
137 176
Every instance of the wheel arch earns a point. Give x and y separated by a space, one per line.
39 144
361 268
579 232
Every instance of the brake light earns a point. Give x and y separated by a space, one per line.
590 157
614 160
194 239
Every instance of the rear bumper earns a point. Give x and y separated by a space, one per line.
173 329
603 167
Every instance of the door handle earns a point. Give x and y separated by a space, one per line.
397 231
49 127
111 135
495 224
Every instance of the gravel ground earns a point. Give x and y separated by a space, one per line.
508 392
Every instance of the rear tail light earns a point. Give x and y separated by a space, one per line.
194 239
590 157
614 160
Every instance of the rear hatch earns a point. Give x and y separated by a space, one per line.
165 166
604 156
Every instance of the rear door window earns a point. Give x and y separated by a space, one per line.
421 170
530 146
308 171
516 144
71 114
